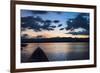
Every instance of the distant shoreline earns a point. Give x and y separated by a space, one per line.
43 40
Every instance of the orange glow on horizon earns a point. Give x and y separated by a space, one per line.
49 34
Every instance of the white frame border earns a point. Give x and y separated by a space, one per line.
52 64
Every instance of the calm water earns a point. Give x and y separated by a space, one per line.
57 51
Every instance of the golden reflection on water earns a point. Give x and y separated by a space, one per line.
56 51
54 47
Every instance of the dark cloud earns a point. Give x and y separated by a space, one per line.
24 36
82 20
46 25
31 23
79 33
59 12
49 29
84 14
34 23
39 19
48 21
59 25
44 12
39 12
53 26
61 29
56 21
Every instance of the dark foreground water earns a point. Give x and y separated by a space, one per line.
40 52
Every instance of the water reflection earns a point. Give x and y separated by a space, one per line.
56 51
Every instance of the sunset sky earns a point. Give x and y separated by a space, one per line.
54 24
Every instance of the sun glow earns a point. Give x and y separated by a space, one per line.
51 34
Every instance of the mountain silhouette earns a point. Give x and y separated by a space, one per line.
38 56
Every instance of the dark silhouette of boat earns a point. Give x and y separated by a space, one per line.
38 56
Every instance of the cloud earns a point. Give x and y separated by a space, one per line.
61 29
78 31
36 23
53 26
46 25
82 20
59 25
31 23
59 12
24 36
56 21
39 12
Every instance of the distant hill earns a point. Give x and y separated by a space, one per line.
56 39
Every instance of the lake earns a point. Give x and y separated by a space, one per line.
55 51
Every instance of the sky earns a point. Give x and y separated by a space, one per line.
48 24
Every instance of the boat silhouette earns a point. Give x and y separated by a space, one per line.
38 56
